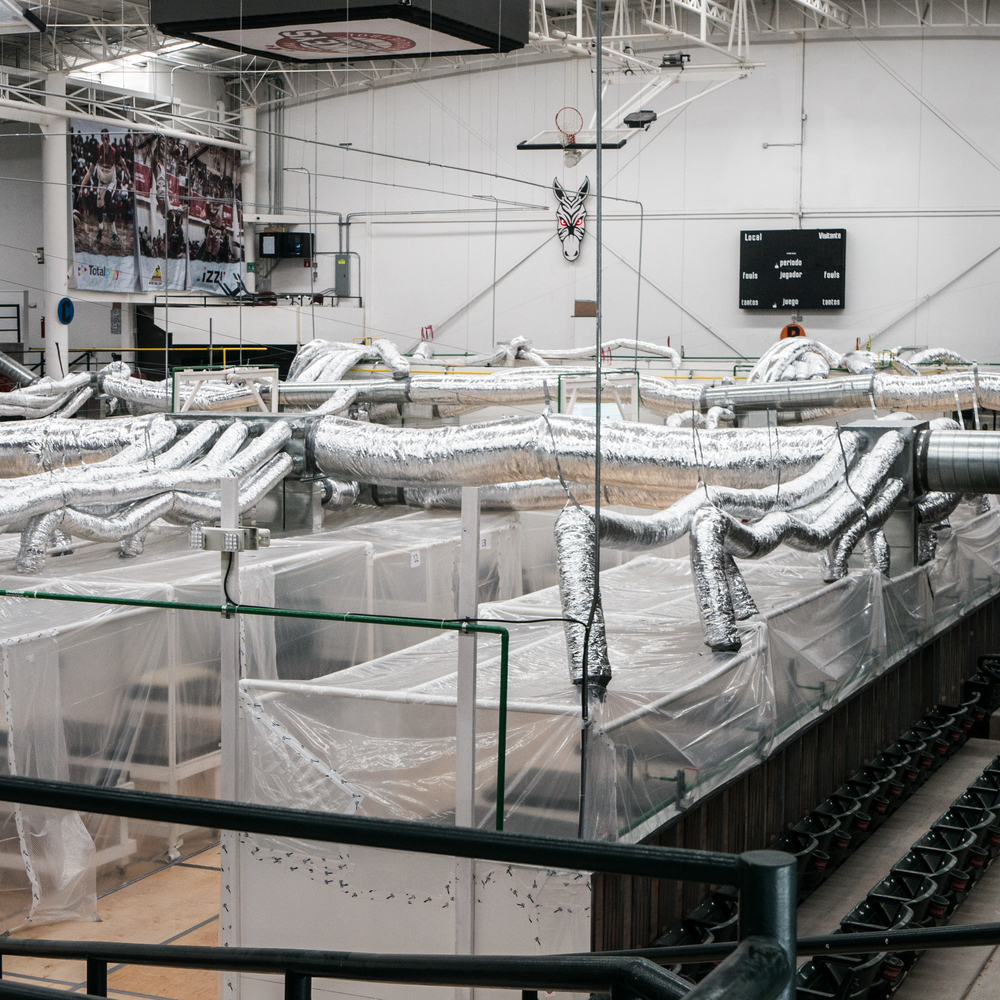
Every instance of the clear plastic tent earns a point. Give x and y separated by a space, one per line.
75 685
108 695
677 720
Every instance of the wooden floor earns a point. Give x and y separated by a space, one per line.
173 904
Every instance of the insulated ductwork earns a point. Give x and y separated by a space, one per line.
575 541
939 355
15 371
528 448
117 499
716 534
28 448
958 461
535 494
621 343
927 393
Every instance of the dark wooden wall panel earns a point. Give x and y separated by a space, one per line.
755 809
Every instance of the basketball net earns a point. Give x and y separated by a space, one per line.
569 121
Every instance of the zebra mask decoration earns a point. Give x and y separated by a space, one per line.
571 217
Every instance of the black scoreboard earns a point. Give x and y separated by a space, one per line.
792 268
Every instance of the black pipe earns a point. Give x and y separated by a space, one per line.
97 977
911 938
276 960
564 973
399 835
757 968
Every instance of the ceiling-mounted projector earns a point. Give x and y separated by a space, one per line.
341 31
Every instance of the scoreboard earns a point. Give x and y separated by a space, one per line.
792 268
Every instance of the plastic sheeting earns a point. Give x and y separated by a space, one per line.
105 696
75 685
676 722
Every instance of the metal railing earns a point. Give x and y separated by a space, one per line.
761 966
455 625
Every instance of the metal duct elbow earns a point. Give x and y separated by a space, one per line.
398 366
338 495
15 371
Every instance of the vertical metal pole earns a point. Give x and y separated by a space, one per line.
229 928
598 380
768 896
297 986
465 728
97 977
55 229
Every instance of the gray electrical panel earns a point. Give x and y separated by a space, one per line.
342 276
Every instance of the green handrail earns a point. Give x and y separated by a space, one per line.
328 616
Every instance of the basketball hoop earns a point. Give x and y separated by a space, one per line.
569 121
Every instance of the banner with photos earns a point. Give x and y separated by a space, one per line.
171 216
103 207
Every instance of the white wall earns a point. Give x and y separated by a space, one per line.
908 189
21 218
919 203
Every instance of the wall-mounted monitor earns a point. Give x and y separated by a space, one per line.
285 245
792 269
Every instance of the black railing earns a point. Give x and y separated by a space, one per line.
761 966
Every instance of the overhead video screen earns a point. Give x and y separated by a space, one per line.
792 268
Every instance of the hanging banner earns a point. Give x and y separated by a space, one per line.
160 213
215 219
102 162
152 213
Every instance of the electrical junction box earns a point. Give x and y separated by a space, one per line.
357 30
286 245
229 539
342 276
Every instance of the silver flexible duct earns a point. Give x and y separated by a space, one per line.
715 533
644 346
938 354
130 521
338 495
535 494
342 400
932 510
191 508
147 452
574 531
323 360
57 443
526 448
76 402
872 519
16 505
876 551
927 393
398 366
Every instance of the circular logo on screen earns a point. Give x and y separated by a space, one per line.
340 43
